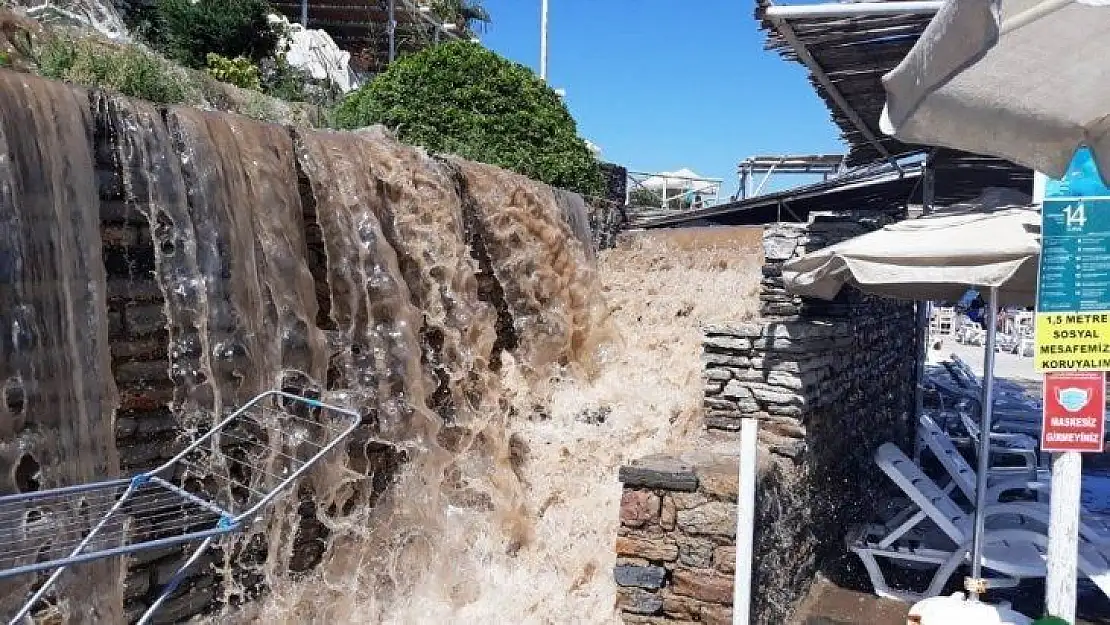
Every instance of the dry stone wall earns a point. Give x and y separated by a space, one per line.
828 382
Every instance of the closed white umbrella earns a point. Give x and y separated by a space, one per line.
1026 80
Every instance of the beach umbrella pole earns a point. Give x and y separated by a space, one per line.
974 584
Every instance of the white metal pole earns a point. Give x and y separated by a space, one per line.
392 28
1063 535
543 39
745 523
923 310
985 411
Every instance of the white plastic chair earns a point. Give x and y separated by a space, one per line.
935 531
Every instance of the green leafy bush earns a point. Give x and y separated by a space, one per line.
5 60
187 31
238 71
126 70
461 98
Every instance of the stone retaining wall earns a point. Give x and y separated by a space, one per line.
828 382
676 550
147 434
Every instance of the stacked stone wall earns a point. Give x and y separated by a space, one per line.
676 547
828 382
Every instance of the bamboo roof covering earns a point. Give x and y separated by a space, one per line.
854 53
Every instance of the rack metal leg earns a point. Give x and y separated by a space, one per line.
175 581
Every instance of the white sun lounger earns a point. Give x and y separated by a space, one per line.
1020 448
1007 416
937 440
1009 390
1020 444
935 531
1093 528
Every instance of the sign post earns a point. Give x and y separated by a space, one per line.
1073 350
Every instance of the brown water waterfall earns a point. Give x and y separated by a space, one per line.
57 395
548 282
239 295
438 297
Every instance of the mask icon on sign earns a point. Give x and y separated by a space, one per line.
1073 399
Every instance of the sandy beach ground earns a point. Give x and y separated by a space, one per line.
1009 366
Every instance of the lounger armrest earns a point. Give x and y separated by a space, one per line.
1028 456
996 491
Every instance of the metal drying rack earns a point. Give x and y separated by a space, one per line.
215 486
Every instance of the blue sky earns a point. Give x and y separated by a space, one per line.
660 84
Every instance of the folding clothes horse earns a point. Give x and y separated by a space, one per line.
217 485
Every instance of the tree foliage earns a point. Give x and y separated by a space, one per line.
463 99
465 14
186 31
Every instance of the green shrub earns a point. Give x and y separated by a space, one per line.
258 108
238 71
463 99
283 81
5 59
126 70
188 31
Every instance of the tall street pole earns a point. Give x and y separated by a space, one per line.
543 39
392 29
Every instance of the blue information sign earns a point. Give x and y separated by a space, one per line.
1073 291
1075 256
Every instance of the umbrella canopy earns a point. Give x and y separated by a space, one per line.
681 180
993 241
1026 80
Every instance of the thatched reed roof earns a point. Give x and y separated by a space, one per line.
850 55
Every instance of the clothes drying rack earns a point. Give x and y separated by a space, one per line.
216 486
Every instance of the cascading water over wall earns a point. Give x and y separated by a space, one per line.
344 265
